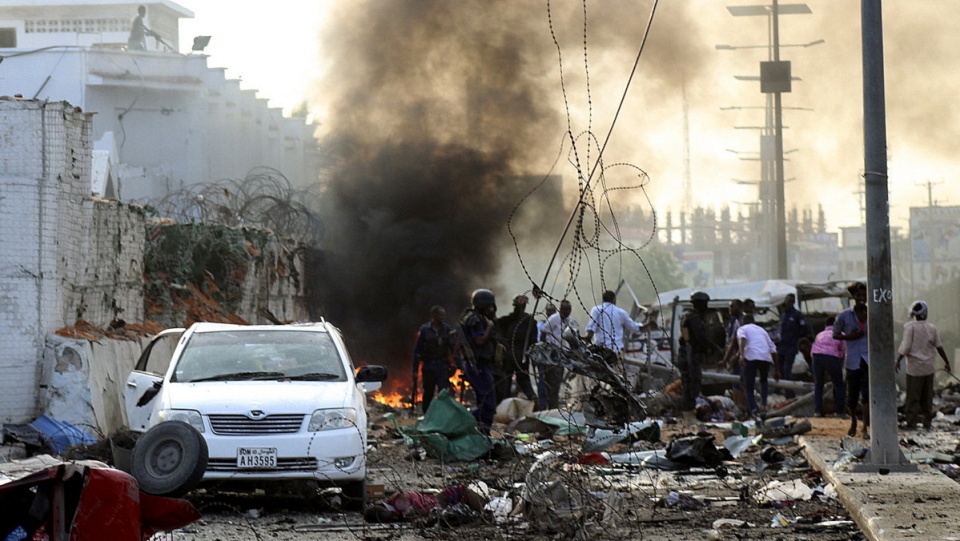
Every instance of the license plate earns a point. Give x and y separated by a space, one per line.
257 457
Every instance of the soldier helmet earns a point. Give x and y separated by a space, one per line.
483 298
699 296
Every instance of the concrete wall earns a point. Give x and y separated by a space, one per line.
82 382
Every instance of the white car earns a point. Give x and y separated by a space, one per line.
273 403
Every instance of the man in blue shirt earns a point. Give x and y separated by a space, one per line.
479 348
432 352
851 326
793 327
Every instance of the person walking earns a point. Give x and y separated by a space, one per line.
757 354
921 340
793 327
550 378
850 326
609 324
518 331
827 361
478 340
695 345
431 355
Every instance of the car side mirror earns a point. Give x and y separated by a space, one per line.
371 373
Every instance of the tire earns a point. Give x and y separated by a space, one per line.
354 495
169 459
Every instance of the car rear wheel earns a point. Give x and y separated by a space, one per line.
169 459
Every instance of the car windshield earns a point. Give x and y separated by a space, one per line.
260 355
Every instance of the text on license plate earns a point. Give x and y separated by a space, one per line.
257 457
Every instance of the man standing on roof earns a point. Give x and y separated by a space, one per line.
793 327
139 32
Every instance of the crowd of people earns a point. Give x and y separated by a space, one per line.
492 354
491 351
837 355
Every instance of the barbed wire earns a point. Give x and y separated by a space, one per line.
263 199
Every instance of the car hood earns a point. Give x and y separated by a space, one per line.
271 397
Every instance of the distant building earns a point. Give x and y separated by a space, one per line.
935 245
163 120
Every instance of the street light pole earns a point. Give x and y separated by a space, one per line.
782 271
775 78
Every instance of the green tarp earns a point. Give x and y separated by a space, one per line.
447 431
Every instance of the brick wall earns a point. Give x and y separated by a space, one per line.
65 255
62 254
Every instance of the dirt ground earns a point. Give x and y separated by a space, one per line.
612 501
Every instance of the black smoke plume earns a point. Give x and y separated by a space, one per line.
440 117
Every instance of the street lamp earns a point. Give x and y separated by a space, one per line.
775 78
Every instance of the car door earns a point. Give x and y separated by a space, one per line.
144 383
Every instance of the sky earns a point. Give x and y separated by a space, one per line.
293 54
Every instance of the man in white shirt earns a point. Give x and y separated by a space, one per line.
608 323
550 378
757 354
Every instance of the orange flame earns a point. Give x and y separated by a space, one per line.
392 399
459 381
398 396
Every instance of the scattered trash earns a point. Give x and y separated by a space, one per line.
736 445
779 521
656 459
695 450
47 432
712 409
780 428
784 491
722 523
772 455
681 501
453 506
602 438
500 507
511 409
593 459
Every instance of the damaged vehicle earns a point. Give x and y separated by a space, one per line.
662 331
612 401
276 405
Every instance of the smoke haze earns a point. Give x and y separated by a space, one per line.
441 116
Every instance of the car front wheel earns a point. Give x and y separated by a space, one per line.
169 459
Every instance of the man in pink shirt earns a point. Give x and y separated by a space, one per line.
828 354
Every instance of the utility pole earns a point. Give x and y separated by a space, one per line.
929 184
884 454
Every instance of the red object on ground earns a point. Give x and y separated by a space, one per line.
89 501
593 459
